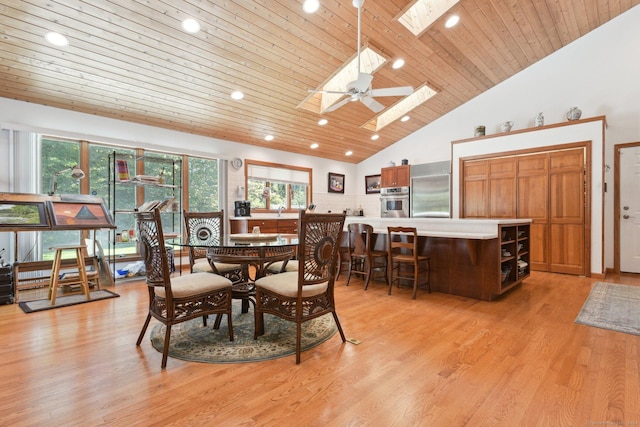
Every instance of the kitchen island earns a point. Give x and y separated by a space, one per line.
473 258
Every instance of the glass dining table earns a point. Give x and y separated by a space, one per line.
253 252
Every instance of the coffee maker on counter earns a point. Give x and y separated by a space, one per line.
242 208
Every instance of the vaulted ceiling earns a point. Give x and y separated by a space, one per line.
131 60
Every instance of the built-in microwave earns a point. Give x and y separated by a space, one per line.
394 202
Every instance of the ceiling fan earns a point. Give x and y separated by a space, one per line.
360 89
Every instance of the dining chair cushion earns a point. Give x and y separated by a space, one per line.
202 266
194 284
286 284
276 267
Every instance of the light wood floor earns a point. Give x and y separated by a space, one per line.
440 360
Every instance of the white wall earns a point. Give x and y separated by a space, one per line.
597 73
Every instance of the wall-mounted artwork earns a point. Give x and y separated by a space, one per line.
77 215
336 183
19 214
372 183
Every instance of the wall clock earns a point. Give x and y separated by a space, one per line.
236 163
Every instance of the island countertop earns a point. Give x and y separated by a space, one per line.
481 229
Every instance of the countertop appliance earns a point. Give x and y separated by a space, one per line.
242 208
430 190
394 202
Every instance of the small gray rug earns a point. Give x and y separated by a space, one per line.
612 306
65 300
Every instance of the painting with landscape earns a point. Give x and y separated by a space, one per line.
14 214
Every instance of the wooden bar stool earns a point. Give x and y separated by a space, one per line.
74 279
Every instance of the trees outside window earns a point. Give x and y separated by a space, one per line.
273 186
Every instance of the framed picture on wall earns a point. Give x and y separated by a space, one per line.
336 183
372 184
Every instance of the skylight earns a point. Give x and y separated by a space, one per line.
401 108
424 13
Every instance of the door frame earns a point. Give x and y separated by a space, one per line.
616 201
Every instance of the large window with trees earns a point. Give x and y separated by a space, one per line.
273 187
198 178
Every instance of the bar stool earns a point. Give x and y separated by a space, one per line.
404 251
75 279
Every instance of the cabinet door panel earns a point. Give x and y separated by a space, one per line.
476 199
567 248
533 202
503 198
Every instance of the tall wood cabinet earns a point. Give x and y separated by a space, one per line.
549 188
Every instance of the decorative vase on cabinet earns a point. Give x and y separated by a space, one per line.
574 113
539 120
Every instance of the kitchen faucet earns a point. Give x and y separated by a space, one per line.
280 210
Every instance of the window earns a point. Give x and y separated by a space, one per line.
203 192
271 186
56 156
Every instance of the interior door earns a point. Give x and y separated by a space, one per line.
533 202
630 209
567 187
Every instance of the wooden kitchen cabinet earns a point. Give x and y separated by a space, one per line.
267 225
396 176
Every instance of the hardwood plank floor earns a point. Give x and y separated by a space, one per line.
439 360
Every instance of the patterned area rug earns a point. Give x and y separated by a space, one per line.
64 301
194 342
612 306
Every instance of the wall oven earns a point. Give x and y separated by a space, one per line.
394 202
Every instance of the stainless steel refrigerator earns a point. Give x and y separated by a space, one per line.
430 191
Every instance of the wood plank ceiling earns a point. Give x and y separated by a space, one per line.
130 60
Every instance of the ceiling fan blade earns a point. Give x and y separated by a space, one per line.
392 91
373 105
337 105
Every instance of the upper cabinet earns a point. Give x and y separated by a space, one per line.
396 176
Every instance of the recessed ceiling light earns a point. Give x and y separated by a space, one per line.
56 39
314 145
398 63
348 153
237 95
268 138
323 122
405 119
452 21
190 25
374 137
310 6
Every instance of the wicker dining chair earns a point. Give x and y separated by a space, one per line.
302 295
208 228
178 299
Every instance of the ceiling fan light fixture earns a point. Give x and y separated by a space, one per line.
310 6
